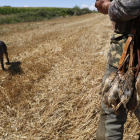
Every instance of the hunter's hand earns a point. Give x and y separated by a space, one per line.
102 6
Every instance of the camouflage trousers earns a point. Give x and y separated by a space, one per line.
111 126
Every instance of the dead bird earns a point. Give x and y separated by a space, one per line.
111 96
125 88
3 50
118 91
137 86
108 82
114 92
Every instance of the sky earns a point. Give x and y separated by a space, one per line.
49 3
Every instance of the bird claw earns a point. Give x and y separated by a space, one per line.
107 106
118 106
99 104
114 108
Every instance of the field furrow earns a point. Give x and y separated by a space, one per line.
51 90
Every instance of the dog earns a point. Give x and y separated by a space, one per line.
3 50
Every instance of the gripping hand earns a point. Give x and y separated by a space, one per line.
102 6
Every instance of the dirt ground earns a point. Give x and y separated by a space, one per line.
51 89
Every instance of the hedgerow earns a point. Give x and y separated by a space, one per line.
15 15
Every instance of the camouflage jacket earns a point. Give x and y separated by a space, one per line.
121 12
124 10
117 45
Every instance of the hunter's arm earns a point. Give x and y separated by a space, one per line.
124 10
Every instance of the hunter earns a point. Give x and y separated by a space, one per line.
121 13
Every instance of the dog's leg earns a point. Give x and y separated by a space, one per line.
8 62
6 53
2 65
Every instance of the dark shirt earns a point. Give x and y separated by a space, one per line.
124 10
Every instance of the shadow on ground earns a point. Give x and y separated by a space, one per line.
15 68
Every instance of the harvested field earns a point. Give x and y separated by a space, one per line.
53 93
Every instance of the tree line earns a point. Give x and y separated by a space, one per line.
15 15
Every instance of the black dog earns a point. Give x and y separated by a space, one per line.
3 50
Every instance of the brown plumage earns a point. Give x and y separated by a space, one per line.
137 85
114 92
108 82
125 88
111 94
118 87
